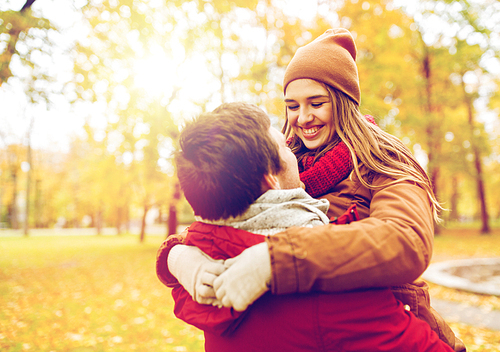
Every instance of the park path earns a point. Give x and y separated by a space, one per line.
466 314
477 275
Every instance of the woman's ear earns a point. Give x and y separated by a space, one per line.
270 181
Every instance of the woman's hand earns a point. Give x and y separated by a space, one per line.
247 277
196 272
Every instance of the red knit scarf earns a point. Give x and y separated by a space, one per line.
322 176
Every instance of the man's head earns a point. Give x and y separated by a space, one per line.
229 157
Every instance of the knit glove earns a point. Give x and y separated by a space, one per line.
247 277
195 271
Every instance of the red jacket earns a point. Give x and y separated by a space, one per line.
362 320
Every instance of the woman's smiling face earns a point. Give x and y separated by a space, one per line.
309 112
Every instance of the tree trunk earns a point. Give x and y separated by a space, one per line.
1 204
76 221
28 188
481 194
119 212
172 211
485 225
143 224
14 224
37 213
159 219
28 180
431 128
454 199
98 221
172 220
127 218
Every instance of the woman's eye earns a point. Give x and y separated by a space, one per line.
292 107
317 105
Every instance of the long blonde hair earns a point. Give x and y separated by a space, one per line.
376 149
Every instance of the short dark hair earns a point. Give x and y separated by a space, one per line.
223 158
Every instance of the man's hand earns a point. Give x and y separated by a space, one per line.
247 277
196 272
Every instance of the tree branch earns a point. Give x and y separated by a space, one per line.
27 5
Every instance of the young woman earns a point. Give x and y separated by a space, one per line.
388 190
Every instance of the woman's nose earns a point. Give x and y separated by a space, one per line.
305 116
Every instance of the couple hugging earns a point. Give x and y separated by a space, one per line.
267 267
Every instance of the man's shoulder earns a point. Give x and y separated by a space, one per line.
201 228
220 239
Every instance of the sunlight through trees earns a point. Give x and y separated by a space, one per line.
126 74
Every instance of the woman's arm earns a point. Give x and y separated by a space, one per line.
392 246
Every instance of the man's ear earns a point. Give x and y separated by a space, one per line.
270 181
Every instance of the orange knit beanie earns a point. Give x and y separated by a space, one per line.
330 59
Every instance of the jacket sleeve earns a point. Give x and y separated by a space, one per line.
162 271
208 318
392 246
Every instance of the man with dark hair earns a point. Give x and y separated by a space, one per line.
239 176
224 156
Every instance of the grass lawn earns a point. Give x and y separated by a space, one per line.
100 293
87 293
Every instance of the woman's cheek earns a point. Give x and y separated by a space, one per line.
292 118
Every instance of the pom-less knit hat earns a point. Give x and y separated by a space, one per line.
330 59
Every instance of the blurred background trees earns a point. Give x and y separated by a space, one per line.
130 72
